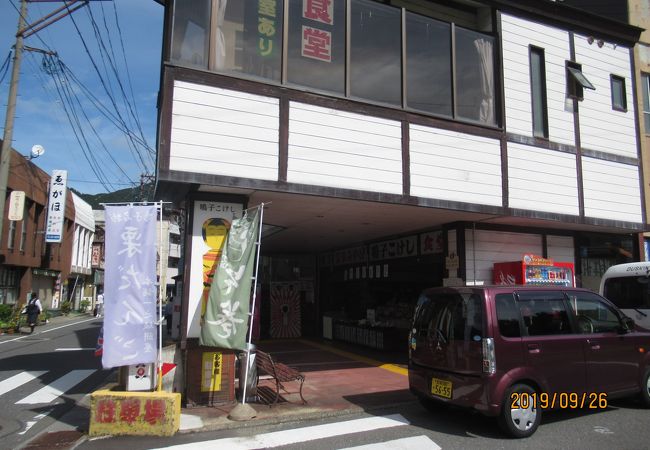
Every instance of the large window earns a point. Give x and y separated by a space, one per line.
362 49
316 47
543 313
191 32
474 76
538 92
428 65
375 52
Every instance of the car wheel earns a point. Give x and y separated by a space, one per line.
645 391
517 421
431 405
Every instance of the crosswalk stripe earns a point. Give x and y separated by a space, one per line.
18 380
410 443
50 392
297 435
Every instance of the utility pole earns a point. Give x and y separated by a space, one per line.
24 30
5 155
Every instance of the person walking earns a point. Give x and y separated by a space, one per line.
99 305
33 310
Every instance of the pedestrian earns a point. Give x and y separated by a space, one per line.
169 309
99 305
33 309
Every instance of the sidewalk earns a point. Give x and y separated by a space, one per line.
339 379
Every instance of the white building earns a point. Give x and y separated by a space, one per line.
80 285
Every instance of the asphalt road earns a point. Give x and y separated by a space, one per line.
44 375
623 425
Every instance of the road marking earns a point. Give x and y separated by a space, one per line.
297 435
54 390
31 423
18 380
411 443
45 331
74 349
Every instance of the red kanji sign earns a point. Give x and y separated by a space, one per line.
319 10
130 410
316 44
154 411
106 411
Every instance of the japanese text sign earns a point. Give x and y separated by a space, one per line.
130 288
56 207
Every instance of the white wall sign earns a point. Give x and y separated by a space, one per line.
16 205
56 206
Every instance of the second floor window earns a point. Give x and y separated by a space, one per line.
538 92
645 92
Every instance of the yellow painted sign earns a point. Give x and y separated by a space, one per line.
211 364
134 413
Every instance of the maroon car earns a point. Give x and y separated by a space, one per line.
513 351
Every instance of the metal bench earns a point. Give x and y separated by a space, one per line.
280 373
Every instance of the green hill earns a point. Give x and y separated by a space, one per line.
133 194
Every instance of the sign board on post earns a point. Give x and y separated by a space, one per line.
140 377
16 205
56 207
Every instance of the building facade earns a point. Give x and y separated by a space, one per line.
27 263
80 283
399 145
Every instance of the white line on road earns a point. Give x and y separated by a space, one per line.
59 386
296 435
77 349
410 443
18 380
31 423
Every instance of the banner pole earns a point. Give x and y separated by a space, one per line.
159 207
250 330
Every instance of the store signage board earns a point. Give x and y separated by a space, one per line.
56 207
16 205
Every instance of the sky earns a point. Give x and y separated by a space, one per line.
106 87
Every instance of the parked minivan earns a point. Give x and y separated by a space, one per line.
628 287
513 351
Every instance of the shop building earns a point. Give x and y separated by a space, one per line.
399 145
27 263
80 282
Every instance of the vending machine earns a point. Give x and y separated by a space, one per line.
536 271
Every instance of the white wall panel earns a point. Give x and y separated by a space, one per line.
483 248
517 35
344 150
542 179
221 132
602 128
447 165
561 248
611 190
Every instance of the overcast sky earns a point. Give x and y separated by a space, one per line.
105 159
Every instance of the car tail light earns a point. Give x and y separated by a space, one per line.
489 358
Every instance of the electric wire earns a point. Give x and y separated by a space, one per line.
5 67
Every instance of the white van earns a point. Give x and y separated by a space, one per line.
628 287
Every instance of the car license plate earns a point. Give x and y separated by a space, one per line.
441 388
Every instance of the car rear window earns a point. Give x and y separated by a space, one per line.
451 316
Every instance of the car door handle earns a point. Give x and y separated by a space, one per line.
533 348
593 344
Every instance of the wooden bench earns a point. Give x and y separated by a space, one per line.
279 372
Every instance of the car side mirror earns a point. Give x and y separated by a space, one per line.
628 324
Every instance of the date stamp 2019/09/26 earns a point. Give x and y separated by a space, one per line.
562 400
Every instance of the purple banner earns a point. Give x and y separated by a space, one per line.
130 291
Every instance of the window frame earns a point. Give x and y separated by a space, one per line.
617 78
576 81
532 49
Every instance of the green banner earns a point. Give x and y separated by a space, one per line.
225 324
